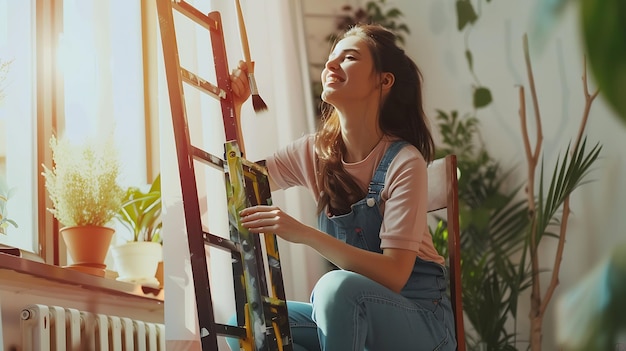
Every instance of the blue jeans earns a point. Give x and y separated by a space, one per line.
350 312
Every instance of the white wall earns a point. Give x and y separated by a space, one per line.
596 223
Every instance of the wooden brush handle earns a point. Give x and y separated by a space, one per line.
244 38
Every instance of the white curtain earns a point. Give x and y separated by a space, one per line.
276 38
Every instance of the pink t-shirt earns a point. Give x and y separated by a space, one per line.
404 198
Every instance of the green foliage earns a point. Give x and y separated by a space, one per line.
493 224
482 97
603 29
375 11
604 33
568 174
83 182
5 195
592 313
465 14
141 212
496 228
466 17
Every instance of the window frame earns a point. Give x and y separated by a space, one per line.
50 104
50 107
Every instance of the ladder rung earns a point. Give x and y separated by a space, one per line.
220 242
207 158
223 329
202 85
200 18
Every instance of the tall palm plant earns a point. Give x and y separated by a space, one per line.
549 208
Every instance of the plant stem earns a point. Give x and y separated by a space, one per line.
540 304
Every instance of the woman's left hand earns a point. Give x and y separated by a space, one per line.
271 219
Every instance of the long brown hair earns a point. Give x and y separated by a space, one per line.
401 115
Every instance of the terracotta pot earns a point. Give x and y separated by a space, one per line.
88 246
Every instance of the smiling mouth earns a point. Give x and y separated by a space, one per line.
333 79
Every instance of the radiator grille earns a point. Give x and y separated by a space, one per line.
58 328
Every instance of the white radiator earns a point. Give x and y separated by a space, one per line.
57 328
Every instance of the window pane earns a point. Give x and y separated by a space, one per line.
101 59
17 127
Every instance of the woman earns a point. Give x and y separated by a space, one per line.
366 168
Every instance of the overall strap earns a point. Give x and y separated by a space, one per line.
378 180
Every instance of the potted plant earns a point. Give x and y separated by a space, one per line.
5 194
137 259
83 187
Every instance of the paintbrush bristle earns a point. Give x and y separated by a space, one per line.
258 103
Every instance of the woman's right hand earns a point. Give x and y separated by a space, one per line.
271 219
240 84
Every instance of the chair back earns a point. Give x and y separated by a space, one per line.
443 193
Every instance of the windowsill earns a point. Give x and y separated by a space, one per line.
22 275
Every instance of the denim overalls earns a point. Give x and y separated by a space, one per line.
425 320
350 312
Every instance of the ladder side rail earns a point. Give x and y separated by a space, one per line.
223 76
204 305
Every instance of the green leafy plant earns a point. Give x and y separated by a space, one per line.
548 207
141 212
83 182
497 226
492 222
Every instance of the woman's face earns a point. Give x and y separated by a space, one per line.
348 75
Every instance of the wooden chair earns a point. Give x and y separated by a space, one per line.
443 194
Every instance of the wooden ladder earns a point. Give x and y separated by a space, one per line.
263 324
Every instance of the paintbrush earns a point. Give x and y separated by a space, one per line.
258 103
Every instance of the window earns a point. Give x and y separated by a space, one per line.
77 69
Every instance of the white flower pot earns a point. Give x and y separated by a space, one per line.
137 262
